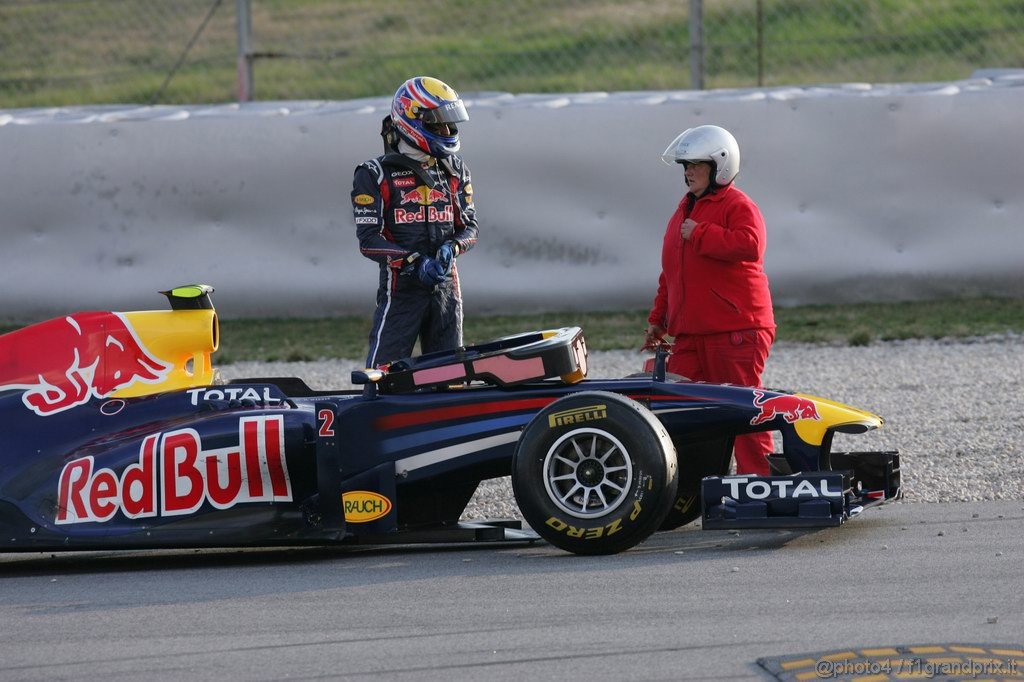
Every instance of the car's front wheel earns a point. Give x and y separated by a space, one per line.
594 473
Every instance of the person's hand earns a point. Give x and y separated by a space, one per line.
407 265
430 271
446 255
653 337
686 229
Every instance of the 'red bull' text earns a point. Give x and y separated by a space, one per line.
175 476
430 213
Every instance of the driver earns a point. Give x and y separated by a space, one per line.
414 215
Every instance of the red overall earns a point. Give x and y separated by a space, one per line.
713 299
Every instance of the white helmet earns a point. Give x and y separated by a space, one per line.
707 143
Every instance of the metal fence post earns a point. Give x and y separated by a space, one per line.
697 44
243 27
760 43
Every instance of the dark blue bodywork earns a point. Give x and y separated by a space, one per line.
114 433
425 452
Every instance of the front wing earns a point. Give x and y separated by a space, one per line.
807 500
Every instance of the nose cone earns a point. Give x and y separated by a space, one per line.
837 417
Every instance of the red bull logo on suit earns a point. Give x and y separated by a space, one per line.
429 213
423 195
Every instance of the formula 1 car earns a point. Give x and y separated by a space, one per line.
116 432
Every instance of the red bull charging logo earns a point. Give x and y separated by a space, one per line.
65 362
422 195
423 198
790 407
410 107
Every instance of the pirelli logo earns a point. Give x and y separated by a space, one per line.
578 415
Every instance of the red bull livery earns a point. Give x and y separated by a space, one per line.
65 362
116 432
790 407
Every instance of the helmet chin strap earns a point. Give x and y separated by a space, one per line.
413 152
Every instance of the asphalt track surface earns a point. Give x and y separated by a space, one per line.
685 605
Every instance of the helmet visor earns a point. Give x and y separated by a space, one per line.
673 154
669 155
449 112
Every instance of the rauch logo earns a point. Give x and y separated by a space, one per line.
362 506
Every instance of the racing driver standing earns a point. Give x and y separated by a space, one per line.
414 215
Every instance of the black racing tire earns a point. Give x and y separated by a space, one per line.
696 461
594 473
685 509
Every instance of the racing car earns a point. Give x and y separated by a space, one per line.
116 431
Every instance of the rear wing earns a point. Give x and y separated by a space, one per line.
185 336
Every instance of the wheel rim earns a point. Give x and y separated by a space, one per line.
587 473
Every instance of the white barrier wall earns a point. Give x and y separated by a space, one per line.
870 192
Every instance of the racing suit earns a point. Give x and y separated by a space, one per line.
405 210
713 298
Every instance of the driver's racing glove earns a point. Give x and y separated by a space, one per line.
430 271
446 255
408 264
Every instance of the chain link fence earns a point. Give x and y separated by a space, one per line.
77 52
